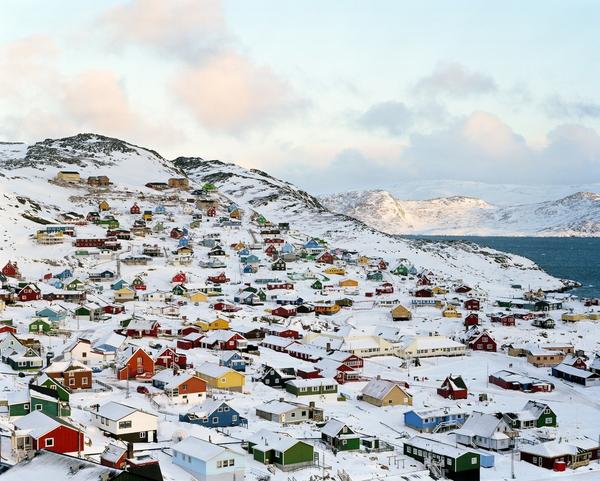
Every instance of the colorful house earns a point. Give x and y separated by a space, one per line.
221 377
339 437
37 431
208 462
213 413
383 392
453 387
284 452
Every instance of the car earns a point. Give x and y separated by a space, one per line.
143 390
96 369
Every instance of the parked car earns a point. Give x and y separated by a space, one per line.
143 390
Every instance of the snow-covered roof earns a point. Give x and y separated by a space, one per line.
276 407
206 408
378 388
199 449
212 370
436 446
113 452
481 424
312 382
266 440
115 411
333 427
36 423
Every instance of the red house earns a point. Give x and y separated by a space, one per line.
190 341
504 319
325 258
284 311
463 289
5 328
220 279
30 292
135 209
169 357
115 456
134 363
176 233
271 250
385 288
424 293
472 304
45 432
189 330
281 331
223 340
472 320
211 212
143 328
225 307
114 308
453 387
179 278
279 285
351 360
424 281
382 265
11 270
483 342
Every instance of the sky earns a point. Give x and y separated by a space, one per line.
333 96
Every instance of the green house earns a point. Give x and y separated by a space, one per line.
533 415
40 324
339 437
375 276
311 387
208 187
179 290
74 285
317 285
49 404
454 463
18 403
401 270
284 452
47 382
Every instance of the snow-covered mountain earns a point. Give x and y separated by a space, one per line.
574 215
27 172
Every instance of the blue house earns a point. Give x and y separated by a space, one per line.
208 462
244 252
213 414
435 420
120 284
66 274
57 283
251 259
287 248
54 315
183 242
248 269
160 209
313 245
233 360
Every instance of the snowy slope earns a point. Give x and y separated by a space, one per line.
577 214
282 202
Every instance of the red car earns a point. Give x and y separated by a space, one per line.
143 390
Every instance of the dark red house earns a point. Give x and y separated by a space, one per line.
326 258
483 342
225 307
169 357
271 286
176 233
189 330
271 250
472 320
463 289
30 292
453 387
472 304
223 340
284 311
190 341
424 292
211 212
11 270
385 288
135 209
114 308
220 279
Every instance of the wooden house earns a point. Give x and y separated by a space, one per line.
518 382
435 419
180 388
486 431
133 362
38 431
68 176
558 454
312 387
208 462
213 413
221 377
339 436
285 452
126 423
169 358
401 313
279 411
453 387
383 392
72 374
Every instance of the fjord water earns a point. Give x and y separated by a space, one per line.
575 258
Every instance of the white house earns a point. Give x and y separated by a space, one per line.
208 462
488 431
431 346
126 423
83 351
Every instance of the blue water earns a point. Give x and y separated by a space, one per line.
575 258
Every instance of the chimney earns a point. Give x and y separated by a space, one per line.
281 399
328 347
129 454
378 377
49 357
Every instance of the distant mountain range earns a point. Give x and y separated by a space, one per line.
577 214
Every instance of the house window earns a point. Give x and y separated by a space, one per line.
548 420
124 424
143 435
225 408
215 420
38 407
408 449
473 460
49 442
71 382
232 462
84 380
219 464
234 418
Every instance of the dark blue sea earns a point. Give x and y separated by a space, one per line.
575 258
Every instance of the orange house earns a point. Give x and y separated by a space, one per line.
134 363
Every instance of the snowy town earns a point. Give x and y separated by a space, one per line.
166 330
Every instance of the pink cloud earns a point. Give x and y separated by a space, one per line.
229 93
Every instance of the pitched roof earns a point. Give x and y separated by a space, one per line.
199 449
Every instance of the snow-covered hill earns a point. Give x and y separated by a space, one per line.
27 172
575 215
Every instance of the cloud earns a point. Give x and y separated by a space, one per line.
481 147
558 107
392 117
455 80
231 94
187 29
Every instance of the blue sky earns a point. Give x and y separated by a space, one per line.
332 95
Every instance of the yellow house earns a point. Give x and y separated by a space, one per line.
239 246
363 260
382 392
401 313
451 311
68 176
327 309
348 283
582 316
124 294
103 206
439 290
147 215
338 271
2 305
197 296
221 377
218 323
